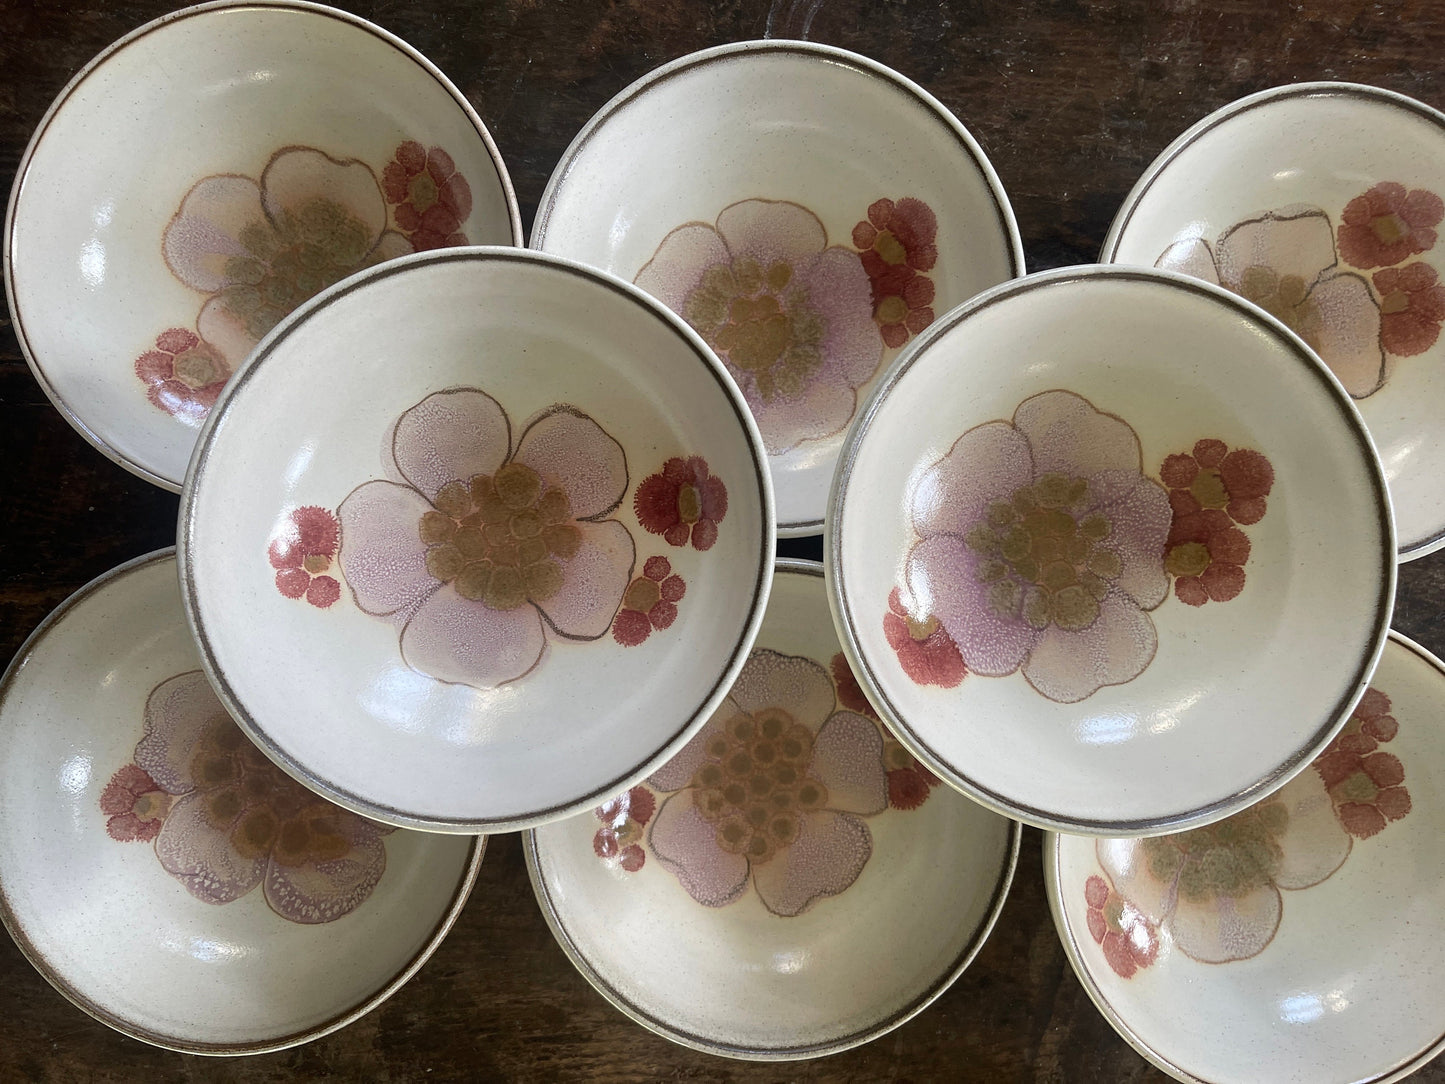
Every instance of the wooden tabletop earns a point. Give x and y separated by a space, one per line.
1071 101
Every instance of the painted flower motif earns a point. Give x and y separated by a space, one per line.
183 375
623 819
1039 549
924 648
301 551
909 782
1365 784
1412 308
481 550
1210 490
1216 890
1129 940
429 199
850 693
896 244
1389 224
772 792
683 501
790 316
226 819
650 602
1286 264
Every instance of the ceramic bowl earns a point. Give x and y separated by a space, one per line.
1112 551
1307 929
1321 202
510 578
162 874
205 175
864 894
806 209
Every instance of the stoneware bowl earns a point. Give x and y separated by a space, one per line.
793 883
205 175
806 209
1321 202
162 874
1301 940
477 539
1111 550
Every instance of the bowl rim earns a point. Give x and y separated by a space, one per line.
32 148
1108 252
481 254
710 1045
8 918
1052 856
803 50
1054 820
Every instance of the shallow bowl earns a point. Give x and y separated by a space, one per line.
162 875
1322 202
1300 940
476 539
205 175
868 890
1112 551
806 209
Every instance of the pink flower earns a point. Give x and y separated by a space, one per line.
183 375
649 603
791 317
682 502
135 805
1412 307
897 243
481 550
1388 224
1040 544
623 819
1366 784
429 198
1129 940
301 551
925 650
771 792
237 821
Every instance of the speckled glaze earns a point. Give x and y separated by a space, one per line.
796 154
114 931
129 210
1178 696
1348 987
347 564
1297 165
743 975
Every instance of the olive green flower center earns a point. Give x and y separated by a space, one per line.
1230 858
1286 297
199 367
422 193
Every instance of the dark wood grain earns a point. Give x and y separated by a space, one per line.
1071 100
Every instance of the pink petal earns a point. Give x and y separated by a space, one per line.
455 639
686 845
295 176
219 327
451 436
1191 256
1227 928
838 290
1140 521
678 772
571 451
1301 244
1349 337
828 855
988 463
1314 843
594 580
382 555
324 891
679 262
820 410
204 235
772 230
799 686
178 712
202 857
942 577
1127 863
1069 666
1068 435
848 760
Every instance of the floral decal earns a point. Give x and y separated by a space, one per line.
925 650
1217 890
301 551
257 249
908 780
684 502
623 818
1287 262
224 819
896 243
650 602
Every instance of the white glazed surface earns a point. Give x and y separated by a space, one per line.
327 690
741 981
215 91
106 924
1350 989
1321 145
1238 695
779 121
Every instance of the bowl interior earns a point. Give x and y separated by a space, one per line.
102 918
737 976
1272 183
776 154
1139 700
167 212
1346 987
417 696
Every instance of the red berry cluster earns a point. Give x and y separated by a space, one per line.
1366 785
896 243
623 819
650 602
1212 492
1129 940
